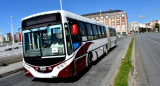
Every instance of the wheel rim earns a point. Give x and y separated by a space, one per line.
106 51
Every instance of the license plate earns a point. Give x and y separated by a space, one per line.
42 68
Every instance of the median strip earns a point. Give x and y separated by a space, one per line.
126 65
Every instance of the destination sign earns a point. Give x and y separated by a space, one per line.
41 19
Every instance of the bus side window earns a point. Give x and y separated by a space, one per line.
68 40
110 32
103 35
82 29
90 33
76 38
99 32
95 32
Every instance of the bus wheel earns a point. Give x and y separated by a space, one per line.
106 50
89 60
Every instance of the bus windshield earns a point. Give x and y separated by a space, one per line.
43 41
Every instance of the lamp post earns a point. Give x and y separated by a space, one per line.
12 29
61 4
100 14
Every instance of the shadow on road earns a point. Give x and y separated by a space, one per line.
71 79
100 58
65 80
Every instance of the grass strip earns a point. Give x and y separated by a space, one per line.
126 66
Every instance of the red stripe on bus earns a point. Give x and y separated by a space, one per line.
83 50
80 64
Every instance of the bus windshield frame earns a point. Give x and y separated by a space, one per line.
43 41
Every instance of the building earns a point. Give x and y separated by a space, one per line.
114 18
17 36
152 24
1 38
134 27
8 37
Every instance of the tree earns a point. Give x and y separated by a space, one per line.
142 30
157 26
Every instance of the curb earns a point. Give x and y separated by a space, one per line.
11 72
10 59
112 74
132 73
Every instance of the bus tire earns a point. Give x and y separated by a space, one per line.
89 60
106 50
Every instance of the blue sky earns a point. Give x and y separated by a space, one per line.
138 10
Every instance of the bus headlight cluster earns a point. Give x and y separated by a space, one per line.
61 66
27 67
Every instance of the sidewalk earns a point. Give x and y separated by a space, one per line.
10 69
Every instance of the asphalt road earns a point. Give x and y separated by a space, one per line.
98 75
148 59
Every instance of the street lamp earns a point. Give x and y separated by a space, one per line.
12 29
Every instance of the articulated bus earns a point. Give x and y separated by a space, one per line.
62 44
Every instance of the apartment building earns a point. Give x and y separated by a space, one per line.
114 18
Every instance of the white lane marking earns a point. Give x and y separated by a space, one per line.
153 41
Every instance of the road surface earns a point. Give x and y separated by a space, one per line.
148 59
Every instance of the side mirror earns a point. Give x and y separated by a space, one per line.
74 29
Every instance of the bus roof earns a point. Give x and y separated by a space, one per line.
66 14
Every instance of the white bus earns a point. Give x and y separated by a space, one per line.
61 44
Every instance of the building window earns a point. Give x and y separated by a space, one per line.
123 27
112 16
118 27
97 18
106 16
117 15
101 17
122 15
123 19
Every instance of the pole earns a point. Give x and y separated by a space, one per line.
12 29
100 15
61 4
61 11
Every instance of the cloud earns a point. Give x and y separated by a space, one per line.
141 16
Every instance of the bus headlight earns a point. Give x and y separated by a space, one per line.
61 66
27 67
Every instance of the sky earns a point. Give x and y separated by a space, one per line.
137 10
